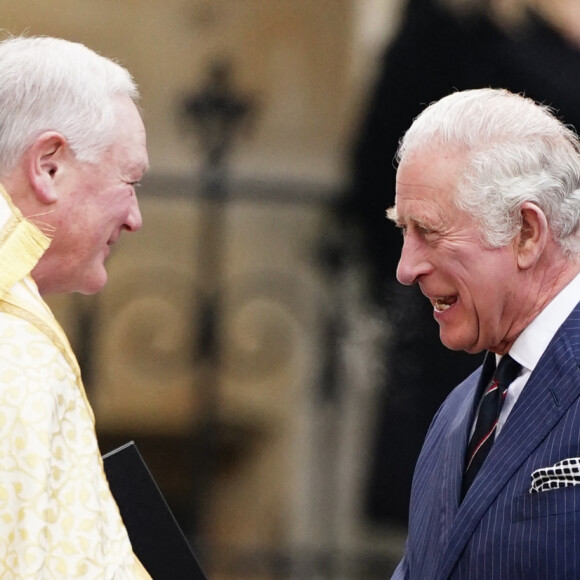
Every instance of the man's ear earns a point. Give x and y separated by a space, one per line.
533 236
45 162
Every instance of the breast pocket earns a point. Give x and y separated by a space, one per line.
531 506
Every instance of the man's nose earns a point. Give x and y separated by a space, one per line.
134 219
413 262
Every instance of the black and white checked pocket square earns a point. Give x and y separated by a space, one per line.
562 474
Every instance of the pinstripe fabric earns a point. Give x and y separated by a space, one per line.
501 531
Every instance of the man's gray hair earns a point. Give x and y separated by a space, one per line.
50 84
516 151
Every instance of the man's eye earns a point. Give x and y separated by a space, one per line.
428 233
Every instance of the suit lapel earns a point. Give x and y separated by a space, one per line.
552 388
458 433
455 449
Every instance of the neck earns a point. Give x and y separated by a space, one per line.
539 286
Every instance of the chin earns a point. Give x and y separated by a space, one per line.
457 344
93 285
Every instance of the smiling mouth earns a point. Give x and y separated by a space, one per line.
443 303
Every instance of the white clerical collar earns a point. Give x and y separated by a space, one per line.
533 341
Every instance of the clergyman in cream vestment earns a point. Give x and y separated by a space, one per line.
58 519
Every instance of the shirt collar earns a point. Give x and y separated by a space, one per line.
533 341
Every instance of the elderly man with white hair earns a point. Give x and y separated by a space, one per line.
488 200
72 149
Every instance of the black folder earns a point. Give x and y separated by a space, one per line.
155 534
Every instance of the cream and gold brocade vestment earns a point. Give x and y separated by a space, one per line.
58 519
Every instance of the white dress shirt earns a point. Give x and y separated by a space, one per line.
533 341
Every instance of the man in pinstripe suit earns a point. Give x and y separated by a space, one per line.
488 199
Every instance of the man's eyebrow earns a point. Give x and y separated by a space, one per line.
392 214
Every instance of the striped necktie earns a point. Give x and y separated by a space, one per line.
489 409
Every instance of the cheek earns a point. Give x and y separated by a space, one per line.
492 292
109 212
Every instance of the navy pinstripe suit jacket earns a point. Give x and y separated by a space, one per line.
501 531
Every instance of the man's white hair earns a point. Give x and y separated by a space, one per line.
516 151
54 84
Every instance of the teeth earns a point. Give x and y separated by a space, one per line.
441 306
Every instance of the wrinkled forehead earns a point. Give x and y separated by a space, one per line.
431 168
130 133
427 178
